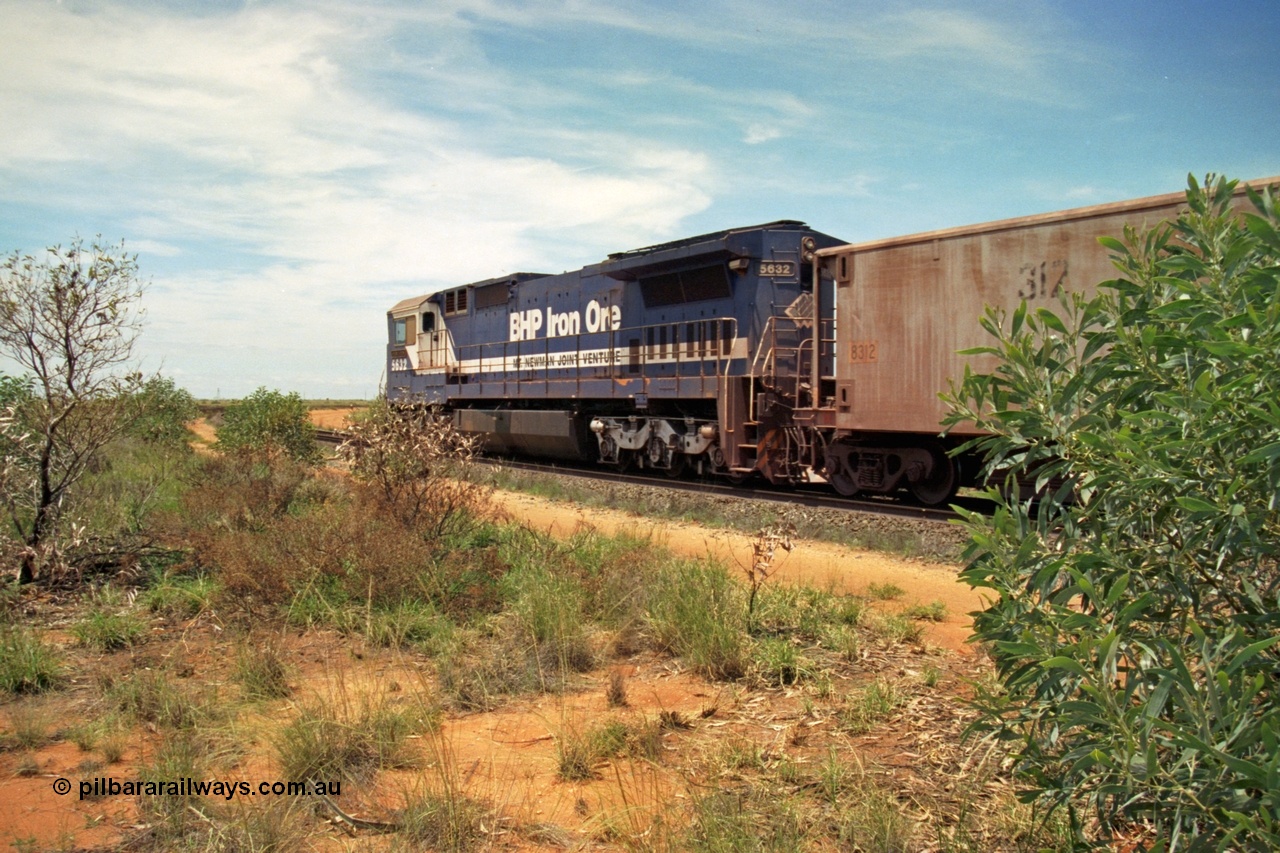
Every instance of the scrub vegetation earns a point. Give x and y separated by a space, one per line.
288 621
471 683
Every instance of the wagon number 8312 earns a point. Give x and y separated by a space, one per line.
864 352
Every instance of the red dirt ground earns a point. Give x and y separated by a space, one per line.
506 757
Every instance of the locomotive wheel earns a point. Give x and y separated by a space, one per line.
676 468
941 484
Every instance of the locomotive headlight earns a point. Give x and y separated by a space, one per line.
807 247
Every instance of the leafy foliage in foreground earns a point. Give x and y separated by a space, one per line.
1135 625
270 422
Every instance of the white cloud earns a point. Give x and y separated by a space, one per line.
299 165
257 129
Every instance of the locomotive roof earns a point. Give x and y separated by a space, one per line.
712 237
713 247
633 263
512 278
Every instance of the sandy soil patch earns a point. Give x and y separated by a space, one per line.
331 418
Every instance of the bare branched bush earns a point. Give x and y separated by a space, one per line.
346 551
414 462
68 318
243 491
764 550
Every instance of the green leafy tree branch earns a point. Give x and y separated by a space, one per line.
1135 605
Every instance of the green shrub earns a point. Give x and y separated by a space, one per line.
483 670
179 596
161 412
328 742
868 706
779 662
444 821
27 665
407 624
549 605
272 423
149 696
697 612
751 819
132 483
261 670
1134 621
109 631
934 611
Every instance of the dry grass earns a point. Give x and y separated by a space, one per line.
327 639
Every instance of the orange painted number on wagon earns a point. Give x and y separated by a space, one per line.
864 352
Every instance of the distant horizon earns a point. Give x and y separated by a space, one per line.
287 171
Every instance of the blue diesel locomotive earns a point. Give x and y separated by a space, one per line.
689 355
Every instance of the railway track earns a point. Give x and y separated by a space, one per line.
330 436
815 496
808 496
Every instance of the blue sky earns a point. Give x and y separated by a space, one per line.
286 171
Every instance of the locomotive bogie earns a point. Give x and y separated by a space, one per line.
659 443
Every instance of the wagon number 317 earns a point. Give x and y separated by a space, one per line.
1046 278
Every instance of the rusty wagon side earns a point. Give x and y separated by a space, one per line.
907 306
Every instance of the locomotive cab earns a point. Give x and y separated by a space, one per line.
418 343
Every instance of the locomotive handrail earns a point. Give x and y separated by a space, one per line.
709 349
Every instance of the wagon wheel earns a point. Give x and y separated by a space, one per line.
941 484
843 483
837 472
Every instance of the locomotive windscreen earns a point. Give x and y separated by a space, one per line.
693 285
